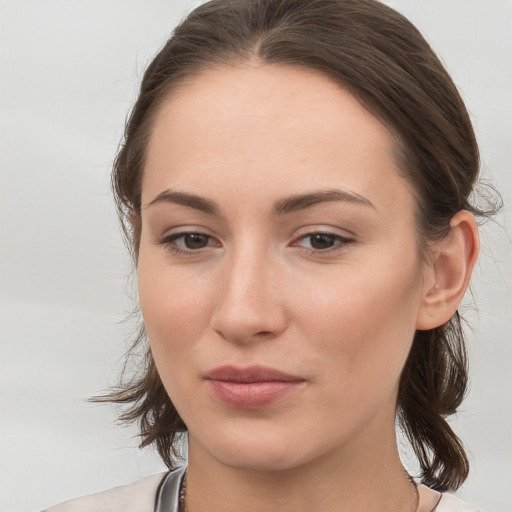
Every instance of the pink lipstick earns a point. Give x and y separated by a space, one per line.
254 387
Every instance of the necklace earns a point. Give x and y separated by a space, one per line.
183 491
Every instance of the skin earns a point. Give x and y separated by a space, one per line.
253 291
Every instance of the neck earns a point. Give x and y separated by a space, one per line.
351 481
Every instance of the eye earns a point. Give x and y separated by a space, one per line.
193 240
320 242
187 242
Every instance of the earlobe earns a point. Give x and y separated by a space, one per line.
449 271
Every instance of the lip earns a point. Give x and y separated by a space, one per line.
253 387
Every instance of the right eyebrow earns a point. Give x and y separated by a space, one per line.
185 199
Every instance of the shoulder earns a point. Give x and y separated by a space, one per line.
138 496
433 501
450 503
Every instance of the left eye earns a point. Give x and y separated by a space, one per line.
322 241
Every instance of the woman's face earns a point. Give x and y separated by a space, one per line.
279 275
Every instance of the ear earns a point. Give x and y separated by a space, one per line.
447 273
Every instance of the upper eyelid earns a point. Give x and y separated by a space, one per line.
186 230
169 242
326 229
179 234
341 244
341 238
306 231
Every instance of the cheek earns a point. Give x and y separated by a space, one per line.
363 323
174 306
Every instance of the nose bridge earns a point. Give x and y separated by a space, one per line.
247 304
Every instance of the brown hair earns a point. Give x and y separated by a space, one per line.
385 62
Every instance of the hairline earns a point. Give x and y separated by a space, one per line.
173 86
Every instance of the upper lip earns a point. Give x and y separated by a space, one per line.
255 373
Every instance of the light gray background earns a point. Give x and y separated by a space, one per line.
69 73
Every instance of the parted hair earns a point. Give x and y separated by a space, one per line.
380 57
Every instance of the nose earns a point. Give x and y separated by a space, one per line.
250 305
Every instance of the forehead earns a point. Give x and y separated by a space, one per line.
272 127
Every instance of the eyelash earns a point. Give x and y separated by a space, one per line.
169 241
340 242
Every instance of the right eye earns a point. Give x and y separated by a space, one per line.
187 243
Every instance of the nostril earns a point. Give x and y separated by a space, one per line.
263 333
243 337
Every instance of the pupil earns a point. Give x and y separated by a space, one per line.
196 241
322 241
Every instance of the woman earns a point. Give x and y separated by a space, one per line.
294 184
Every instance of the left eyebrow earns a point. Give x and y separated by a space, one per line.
303 201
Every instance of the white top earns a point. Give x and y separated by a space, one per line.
140 496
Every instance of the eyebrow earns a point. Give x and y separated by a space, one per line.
184 199
303 201
281 207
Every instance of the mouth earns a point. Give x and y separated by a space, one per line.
254 387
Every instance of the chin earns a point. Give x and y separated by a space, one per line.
259 449
262 459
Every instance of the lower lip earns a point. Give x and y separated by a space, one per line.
252 395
